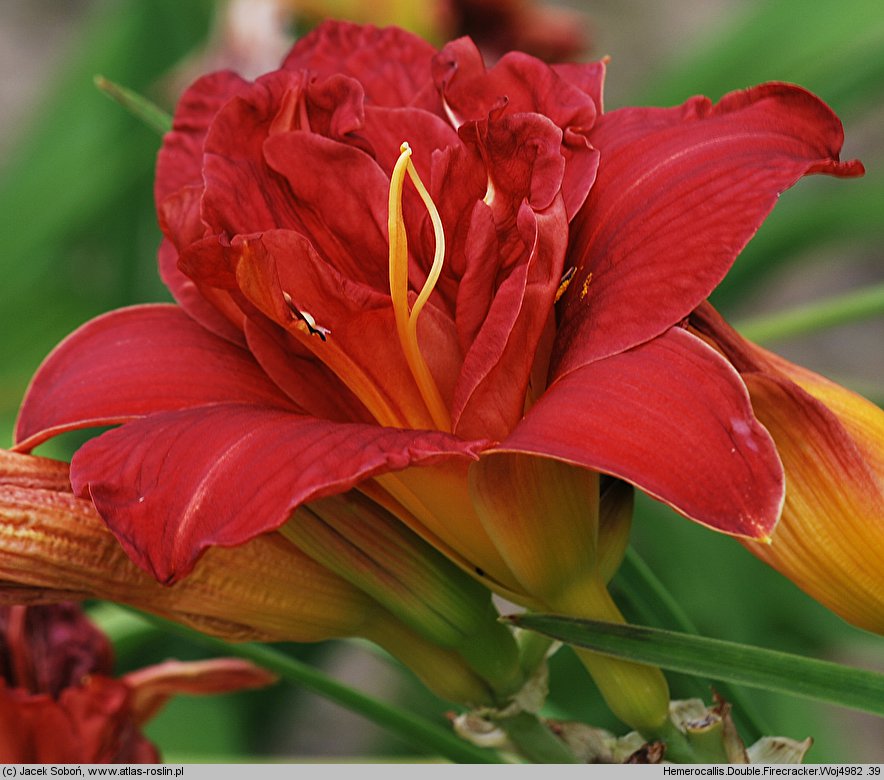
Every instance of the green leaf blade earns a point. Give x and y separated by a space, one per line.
138 105
731 662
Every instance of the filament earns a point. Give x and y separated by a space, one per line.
407 317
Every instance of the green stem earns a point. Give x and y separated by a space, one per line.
418 731
535 741
678 749
858 305
636 693
642 587
533 650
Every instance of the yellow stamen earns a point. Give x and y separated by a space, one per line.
406 318
351 374
584 291
566 281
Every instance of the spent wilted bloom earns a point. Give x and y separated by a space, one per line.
61 704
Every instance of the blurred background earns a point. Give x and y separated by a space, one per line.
79 237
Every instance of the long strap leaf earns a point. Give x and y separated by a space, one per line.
656 605
732 662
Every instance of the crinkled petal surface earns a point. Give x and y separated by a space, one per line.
673 418
171 484
210 307
679 193
520 84
132 362
392 65
178 163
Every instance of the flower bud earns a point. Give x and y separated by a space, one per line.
364 544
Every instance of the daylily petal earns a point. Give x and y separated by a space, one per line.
523 161
153 686
213 308
542 515
281 274
57 701
392 65
46 650
180 218
671 417
210 307
139 360
426 133
490 394
524 168
82 715
90 724
589 77
862 420
347 221
830 540
170 485
679 192
55 547
241 195
178 161
308 382
519 84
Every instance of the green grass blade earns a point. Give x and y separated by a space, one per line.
851 307
138 105
755 667
416 730
657 605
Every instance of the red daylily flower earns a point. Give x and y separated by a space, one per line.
59 703
337 327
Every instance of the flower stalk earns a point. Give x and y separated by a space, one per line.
636 693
